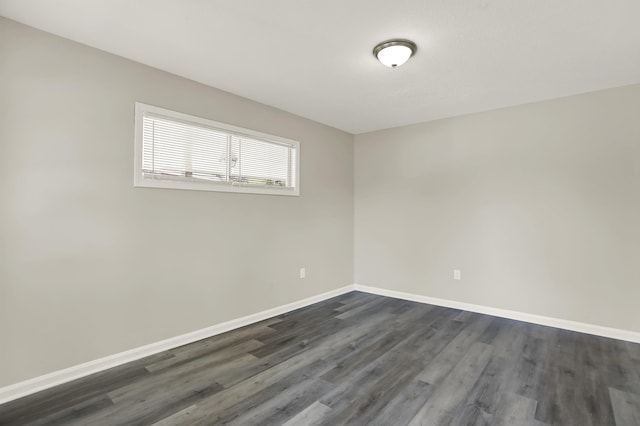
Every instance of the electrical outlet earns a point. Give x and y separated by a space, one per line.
303 272
457 274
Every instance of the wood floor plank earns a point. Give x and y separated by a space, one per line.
405 305
392 334
361 398
434 337
506 339
304 318
300 337
205 354
355 299
569 399
232 404
509 338
348 313
515 410
593 392
482 400
626 407
452 391
74 413
465 316
61 397
313 415
219 361
218 342
155 407
361 359
164 394
446 360
622 372
384 308
531 371
291 394
403 407
282 358
269 372
283 406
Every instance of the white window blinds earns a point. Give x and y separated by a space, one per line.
174 149
193 153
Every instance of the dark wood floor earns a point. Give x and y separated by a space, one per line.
366 360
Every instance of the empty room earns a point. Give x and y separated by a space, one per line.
320 213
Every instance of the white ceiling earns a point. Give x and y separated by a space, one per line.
313 58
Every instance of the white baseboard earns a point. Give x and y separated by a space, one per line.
37 384
598 330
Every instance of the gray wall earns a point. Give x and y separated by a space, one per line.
538 205
90 265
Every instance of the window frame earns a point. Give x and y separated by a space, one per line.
140 181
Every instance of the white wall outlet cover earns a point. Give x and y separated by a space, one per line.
303 272
457 274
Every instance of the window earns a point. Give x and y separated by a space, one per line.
180 151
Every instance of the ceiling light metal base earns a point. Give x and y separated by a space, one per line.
395 42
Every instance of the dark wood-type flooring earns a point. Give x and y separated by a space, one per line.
365 360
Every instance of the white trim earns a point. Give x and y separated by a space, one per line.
27 387
37 384
598 330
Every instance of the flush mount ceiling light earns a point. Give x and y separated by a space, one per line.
394 53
